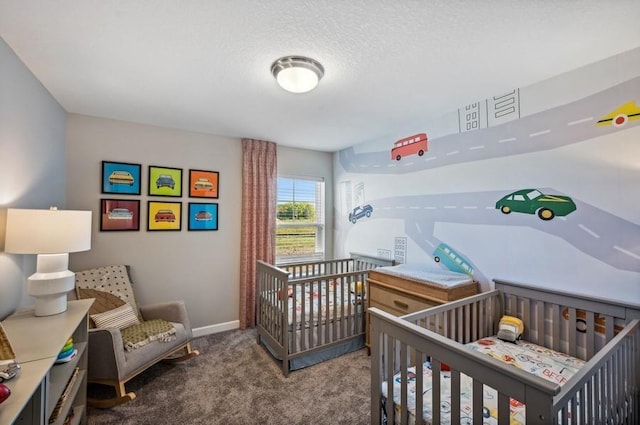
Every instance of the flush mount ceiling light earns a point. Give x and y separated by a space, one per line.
297 74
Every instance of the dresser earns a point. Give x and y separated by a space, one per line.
45 392
400 295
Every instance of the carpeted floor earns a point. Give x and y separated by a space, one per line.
235 382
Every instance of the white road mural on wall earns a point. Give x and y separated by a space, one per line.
559 152
545 130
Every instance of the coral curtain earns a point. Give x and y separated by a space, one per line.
258 237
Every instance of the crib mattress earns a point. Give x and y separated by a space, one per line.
535 359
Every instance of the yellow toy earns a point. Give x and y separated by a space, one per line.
510 328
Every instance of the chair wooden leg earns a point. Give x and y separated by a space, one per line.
187 354
122 396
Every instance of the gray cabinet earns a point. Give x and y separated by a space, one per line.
44 388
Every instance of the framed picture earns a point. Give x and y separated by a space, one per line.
164 215
203 216
165 181
119 214
203 184
121 178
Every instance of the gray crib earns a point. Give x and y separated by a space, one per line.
330 324
605 334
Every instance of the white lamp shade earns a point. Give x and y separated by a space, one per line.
47 231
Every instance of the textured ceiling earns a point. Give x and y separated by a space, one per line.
204 65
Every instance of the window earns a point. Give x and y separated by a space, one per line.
299 219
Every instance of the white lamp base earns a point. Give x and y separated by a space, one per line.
50 283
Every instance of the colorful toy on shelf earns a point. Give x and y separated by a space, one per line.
67 353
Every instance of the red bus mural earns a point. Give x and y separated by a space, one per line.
416 144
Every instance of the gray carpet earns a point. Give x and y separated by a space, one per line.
234 381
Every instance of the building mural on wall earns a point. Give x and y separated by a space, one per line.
545 195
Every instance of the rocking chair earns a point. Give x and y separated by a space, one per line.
109 362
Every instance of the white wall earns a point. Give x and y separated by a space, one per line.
552 136
32 154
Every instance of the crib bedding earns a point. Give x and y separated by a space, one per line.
535 359
426 274
315 303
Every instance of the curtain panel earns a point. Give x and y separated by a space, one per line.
258 235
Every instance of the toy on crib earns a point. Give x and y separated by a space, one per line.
510 329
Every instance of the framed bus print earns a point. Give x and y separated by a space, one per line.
203 216
120 177
165 181
164 215
203 184
119 214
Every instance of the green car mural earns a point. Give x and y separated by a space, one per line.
532 201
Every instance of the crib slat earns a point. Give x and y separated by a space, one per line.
478 402
588 410
526 316
404 385
435 391
503 410
298 318
555 327
540 322
460 329
420 359
572 332
455 396
389 361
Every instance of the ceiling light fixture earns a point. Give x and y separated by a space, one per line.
297 74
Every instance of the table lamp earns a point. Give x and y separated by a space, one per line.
51 234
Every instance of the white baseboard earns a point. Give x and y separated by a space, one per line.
214 329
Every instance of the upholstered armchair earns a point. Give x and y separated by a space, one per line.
124 339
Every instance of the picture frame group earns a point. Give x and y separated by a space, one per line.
124 214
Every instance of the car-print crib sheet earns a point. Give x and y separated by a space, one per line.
320 300
535 359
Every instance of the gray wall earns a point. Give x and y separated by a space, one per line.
32 155
202 268
306 163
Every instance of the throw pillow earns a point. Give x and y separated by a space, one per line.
112 279
120 317
104 301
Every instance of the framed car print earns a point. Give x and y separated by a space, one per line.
203 184
164 215
165 181
119 214
203 216
120 177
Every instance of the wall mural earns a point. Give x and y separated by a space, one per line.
518 191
